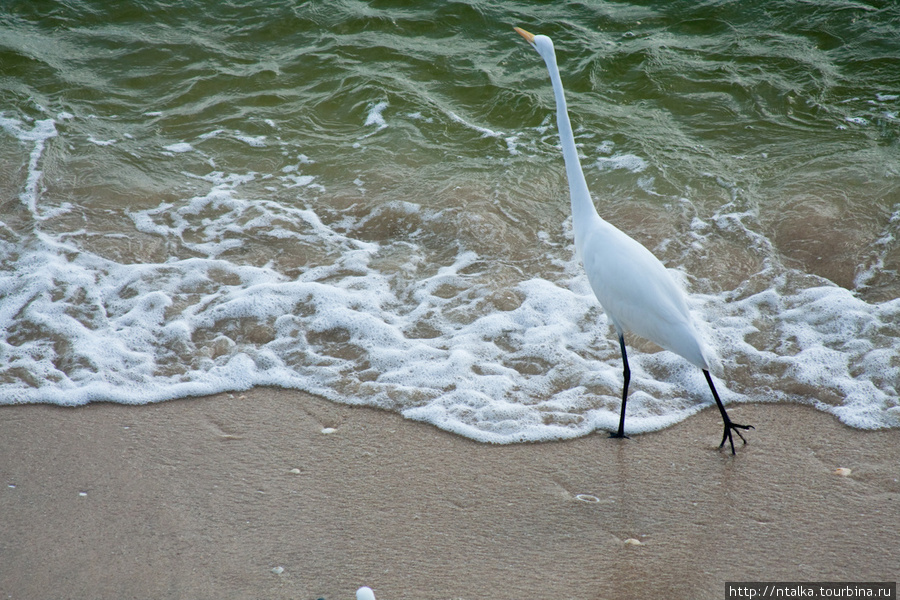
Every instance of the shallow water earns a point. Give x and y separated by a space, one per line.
367 201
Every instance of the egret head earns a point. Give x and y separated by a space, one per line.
541 43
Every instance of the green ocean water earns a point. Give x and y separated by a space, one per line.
160 159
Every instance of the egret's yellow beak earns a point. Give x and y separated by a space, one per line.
529 37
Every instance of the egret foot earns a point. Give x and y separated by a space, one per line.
725 418
620 435
727 435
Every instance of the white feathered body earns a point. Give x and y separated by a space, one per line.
638 293
632 285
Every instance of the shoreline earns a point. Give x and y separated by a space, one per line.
244 496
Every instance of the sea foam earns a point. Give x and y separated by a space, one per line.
381 323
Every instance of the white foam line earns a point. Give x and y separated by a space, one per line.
375 116
179 147
482 130
42 130
629 162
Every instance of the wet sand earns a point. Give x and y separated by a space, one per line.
244 496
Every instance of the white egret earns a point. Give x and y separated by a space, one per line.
632 285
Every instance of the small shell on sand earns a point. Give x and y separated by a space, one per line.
328 430
633 542
365 593
587 498
843 471
278 570
295 471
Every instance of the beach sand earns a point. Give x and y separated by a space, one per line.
244 496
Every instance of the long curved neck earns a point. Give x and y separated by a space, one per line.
583 210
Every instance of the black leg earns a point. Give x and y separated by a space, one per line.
627 374
725 419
